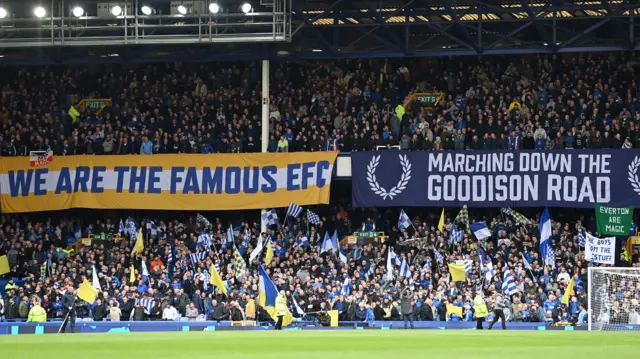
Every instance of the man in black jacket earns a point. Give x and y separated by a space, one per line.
406 306
69 304
99 312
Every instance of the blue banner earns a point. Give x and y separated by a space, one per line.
568 178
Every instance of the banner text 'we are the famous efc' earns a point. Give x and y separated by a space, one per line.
174 182
570 178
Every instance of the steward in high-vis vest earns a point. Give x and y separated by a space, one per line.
37 314
480 309
281 309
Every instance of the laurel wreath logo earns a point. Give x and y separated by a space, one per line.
399 187
633 177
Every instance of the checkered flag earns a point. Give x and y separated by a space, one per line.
313 218
200 218
463 217
403 222
270 218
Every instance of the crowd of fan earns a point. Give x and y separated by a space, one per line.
178 285
538 101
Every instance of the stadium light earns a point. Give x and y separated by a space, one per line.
39 11
3 13
146 10
246 7
116 10
182 9
214 8
78 11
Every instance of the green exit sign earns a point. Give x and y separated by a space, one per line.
428 99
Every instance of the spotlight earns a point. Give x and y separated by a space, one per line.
116 10
246 7
182 9
78 11
39 11
146 10
3 12
214 8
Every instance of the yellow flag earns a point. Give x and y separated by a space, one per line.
217 281
454 309
457 272
132 276
441 221
4 265
73 113
568 293
87 292
286 319
269 256
334 317
139 246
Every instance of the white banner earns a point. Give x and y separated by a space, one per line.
600 250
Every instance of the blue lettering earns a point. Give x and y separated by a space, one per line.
18 183
135 180
64 181
320 180
175 180
154 178
191 181
120 170
232 180
293 173
251 180
212 182
82 178
306 173
39 181
267 174
96 179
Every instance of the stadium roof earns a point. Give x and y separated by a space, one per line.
307 29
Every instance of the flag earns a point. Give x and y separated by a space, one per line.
145 272
403 222
299 310
205 240
328 243
95 283
467 263
256 251
313 218
346 287
239 265
303 242
441 221
153 230
525 262
139 246
43 271
489 272
130 228
229 239
481 256
170 256
121 228
87 293
581 240
267 294
519 218
342 256
508 284
370 272
457 272
74 114
456 235
546 248
294 210
391 258
404 269
568 293
245 239
147 303
463 216
200 218
4 265
426 267
333 314
439 257
197 257
132 276
77 232
269 255
216 280
270 218
480 230
454 309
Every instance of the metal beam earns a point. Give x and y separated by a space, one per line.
503 37
587 31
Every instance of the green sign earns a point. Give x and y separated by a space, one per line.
97 104
428 100
614 220
368 234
